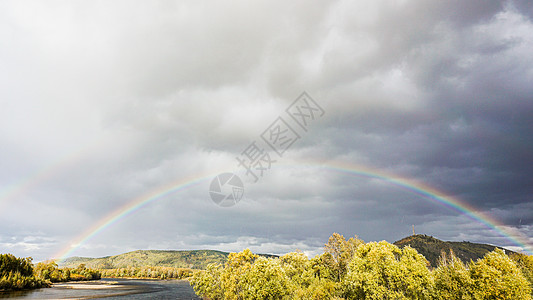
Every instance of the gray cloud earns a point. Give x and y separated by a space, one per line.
101 106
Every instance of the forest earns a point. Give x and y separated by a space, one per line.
353 269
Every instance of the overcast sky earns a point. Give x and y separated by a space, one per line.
104 101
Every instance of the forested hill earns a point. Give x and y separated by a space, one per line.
428 246
194 259
432 248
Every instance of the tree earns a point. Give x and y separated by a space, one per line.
266 280
525 263
297 267
225 282
338 253
496 276
321 266
452 278
18 273
11 264
207 283
384 271
319 289
236 266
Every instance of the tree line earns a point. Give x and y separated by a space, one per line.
20 273
148 272
50 271
352 269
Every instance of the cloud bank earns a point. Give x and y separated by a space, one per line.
102 103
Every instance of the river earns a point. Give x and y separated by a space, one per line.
110 288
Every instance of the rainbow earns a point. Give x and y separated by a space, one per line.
128 209
31 180
48 171
431 194
424 191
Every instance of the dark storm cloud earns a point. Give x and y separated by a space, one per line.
472 72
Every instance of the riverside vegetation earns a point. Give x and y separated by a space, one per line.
348 269
17 274
148 273
352 269
20 273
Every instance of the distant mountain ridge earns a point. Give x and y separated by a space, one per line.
426 245
432 248
194 259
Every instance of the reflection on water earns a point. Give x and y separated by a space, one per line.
111 289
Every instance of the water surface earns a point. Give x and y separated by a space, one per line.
111 288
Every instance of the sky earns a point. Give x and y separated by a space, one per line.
103 102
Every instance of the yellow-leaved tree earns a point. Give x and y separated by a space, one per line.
207 284
496 276
266 280
309 279
452 278
525 263
237 266
384 271
338 252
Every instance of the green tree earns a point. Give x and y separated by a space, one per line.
496 276
525 263
236 267
321 266
266 279
228 282
310 279
338 252
207 284
383 271
297 267
11 264
17 273
318 289
452 278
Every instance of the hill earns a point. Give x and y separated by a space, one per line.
426 245
194 259
432 248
